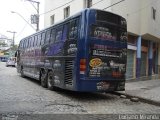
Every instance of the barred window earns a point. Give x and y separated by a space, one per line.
66 12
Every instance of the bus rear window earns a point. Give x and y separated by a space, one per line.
104 32
108 17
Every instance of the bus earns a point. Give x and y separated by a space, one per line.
86 52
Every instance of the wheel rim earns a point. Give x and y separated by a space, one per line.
43 79
50 79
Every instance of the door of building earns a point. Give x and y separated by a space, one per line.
130 64
143 64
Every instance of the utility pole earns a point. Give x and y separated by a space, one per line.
13 32
35 18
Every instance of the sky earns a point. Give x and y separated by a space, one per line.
14 22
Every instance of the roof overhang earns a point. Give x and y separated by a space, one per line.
151 37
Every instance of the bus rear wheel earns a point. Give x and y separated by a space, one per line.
50 80
43 78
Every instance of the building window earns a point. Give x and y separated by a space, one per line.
52 19
66 12
153 13
88 3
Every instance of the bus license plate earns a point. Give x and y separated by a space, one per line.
103 86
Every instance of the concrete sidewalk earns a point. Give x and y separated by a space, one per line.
147 91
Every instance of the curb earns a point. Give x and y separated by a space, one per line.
145 100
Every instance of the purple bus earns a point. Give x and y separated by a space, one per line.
86 52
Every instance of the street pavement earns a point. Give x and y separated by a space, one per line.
25 99
147 90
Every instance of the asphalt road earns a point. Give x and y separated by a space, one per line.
25 98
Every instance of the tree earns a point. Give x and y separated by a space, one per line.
14 48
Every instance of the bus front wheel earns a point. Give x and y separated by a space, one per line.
21 72
43 78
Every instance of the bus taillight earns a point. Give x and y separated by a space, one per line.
82 66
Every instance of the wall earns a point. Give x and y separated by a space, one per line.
102 4
154 24
75 6
128 9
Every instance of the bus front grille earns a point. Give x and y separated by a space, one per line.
69 72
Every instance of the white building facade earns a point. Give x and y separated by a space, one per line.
5 43
143 21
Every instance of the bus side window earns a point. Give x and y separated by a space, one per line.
35 40
43 38
65 32
22 42
39 39
48 35
59 34
30 45
73 29
21 45
32 42
25 43
53 34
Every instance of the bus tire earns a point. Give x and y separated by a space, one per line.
22 72
43 78
50 80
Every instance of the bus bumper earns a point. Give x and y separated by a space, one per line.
101 86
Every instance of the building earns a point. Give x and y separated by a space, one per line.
5 43
143 20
